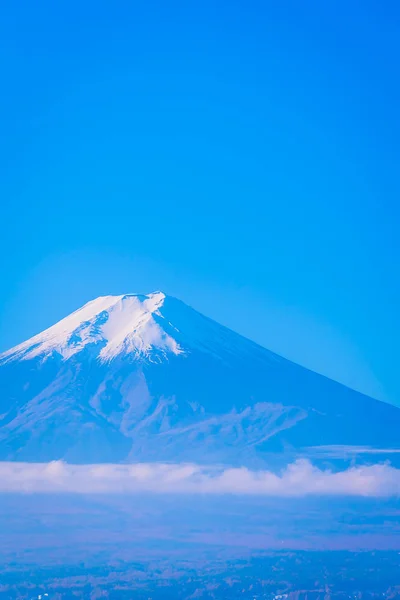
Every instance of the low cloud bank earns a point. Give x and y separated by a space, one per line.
299 478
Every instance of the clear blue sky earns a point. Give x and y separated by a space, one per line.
243 156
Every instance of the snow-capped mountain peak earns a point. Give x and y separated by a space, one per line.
147 377
116 324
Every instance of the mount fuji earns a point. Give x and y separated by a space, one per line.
147 378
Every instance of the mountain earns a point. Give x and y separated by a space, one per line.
146 377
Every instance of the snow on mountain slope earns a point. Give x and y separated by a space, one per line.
121 324
138 377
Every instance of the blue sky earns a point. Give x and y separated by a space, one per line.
242 156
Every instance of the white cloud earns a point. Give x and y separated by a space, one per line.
342 451
299 478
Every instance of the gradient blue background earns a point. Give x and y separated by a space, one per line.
243 156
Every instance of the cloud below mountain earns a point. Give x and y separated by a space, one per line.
300 478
